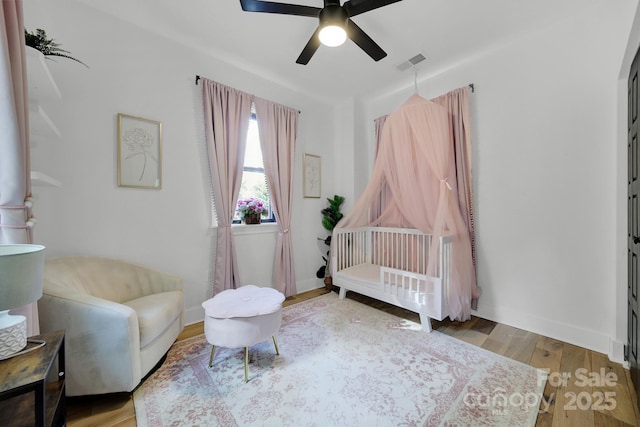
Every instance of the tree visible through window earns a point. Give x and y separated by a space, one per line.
254 180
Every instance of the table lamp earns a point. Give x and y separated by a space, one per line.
21 271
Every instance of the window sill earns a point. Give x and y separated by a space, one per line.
239 229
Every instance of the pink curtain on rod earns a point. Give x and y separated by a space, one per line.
385 196
278 126
226 122
15 167
379 124
458 104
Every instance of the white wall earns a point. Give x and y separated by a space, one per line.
545 173
547 166
135 72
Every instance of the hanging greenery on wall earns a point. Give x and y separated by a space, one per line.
47 46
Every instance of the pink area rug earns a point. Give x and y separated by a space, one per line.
341 363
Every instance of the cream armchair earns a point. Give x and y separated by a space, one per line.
120 320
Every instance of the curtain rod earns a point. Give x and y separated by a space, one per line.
198 78
471 85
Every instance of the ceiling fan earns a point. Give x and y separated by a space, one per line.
335 23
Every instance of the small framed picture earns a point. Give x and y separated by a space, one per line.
311 176
139 152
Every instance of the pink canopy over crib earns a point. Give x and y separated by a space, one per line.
413 185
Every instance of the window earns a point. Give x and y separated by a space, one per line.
254 181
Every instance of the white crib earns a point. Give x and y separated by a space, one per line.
390 264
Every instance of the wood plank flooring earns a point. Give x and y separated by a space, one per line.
604 403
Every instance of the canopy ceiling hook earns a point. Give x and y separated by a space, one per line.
415 80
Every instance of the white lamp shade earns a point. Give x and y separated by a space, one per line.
21 274
332 35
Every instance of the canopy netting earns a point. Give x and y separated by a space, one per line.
413 185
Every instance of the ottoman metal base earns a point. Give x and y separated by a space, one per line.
246 358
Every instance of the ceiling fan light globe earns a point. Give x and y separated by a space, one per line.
332 35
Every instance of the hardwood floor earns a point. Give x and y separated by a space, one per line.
605 403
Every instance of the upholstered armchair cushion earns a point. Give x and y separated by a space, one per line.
120 318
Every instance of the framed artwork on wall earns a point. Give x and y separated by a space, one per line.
139 152
311 176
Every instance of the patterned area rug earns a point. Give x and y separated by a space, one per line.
341 363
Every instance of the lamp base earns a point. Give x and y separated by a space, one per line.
13 334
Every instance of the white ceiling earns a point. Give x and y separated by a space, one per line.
445 31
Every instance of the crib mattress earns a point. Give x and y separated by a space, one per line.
369 273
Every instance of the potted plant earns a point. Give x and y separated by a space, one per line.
330 217
47 46
250 210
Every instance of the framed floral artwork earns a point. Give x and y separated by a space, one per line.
311 176
139 152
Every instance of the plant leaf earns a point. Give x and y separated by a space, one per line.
47 46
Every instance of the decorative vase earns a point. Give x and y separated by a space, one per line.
252 218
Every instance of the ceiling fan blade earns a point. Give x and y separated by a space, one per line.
356 7
282 8
365 42
312 45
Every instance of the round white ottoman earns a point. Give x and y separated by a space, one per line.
241 318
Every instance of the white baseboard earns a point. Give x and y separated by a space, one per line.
616 352
193 315
571 334
309 285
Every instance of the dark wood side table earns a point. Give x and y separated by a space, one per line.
31 393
